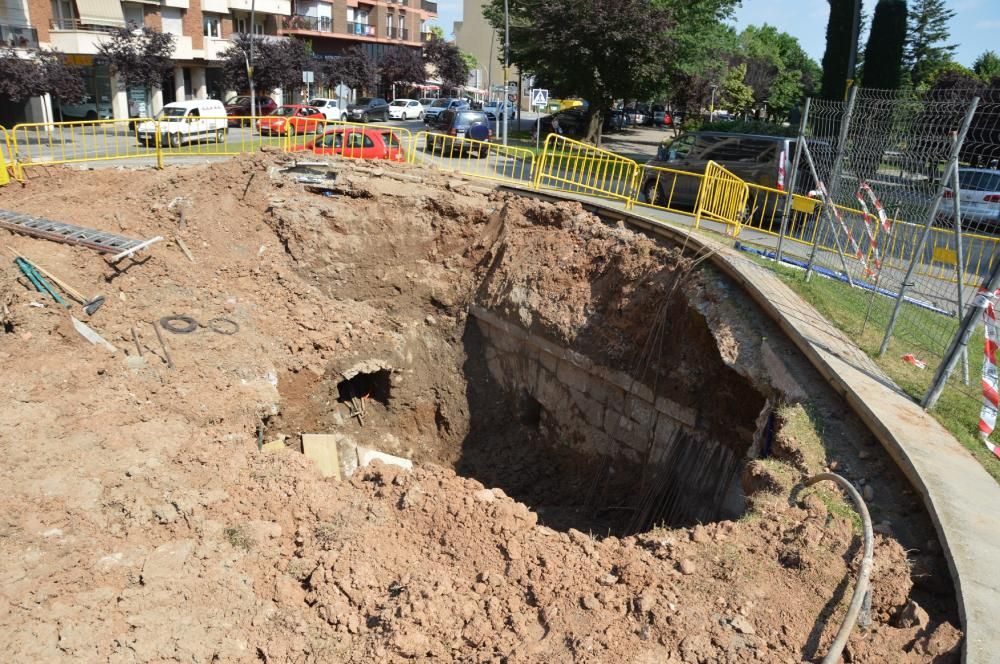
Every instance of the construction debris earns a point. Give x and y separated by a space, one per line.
90 335
101 241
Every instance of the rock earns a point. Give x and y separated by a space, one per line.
742 625
411 644
645 602
868 493
430 320
688 566
912 615
699 534
513 549
883 528
164 565
608 580
864 454
484 496
590 602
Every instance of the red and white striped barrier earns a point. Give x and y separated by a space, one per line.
821 192
883 218
991 385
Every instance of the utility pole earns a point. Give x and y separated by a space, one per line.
852 55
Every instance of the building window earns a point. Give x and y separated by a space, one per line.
241 25
63 14
212 26
258 28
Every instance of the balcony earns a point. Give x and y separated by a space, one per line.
431 7
361 29
71 35
276 7
17 36
78 25
426 36
401 3
307 23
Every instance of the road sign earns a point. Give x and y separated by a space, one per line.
308 77
539 97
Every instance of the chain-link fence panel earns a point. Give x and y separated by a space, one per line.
882 163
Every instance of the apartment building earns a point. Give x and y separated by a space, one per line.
474 35
203 30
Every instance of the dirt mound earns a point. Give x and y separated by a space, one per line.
141 523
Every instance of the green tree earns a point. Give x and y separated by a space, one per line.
926 42
446 58
593 49
736 94
353 68
987 68
140 58
884 53
401 65
276 64
45 71
778 69
838 48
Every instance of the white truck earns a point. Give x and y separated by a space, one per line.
181 122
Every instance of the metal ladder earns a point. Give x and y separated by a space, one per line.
102 241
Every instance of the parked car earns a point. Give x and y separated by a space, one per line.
758 159
427 101
182 122
358 143
88 109
462 124
979 199
572 122
432 112
330 108
406 109
614 120
239 107
292 119
494 109
369 108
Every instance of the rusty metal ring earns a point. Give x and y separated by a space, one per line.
167 323
225 324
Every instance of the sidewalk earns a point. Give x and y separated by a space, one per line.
960 496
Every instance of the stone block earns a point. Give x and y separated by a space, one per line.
780 376
548 360
572 376
592 411
496 370
642 412
552 394
665 435
683 414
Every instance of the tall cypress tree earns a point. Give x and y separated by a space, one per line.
926 46
838 48
884 53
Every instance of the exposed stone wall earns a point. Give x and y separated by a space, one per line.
596 411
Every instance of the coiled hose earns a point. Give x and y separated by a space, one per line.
862 588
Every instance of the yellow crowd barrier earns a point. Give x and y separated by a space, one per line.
481 159
6 157
668 189
722 197
576 167
44 143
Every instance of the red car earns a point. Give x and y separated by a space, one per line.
292 119
239 107
359 143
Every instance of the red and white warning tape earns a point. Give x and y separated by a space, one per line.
883 218
821 191
991 385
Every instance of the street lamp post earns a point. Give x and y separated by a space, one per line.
253 97
852 56
506 66
711 108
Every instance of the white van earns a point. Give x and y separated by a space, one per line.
186 122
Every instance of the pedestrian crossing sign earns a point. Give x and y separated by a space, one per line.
539 97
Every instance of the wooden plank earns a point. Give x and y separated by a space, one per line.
322 448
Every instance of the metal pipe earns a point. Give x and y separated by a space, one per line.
852 56
862 587
828 213
959 255
253 36
931 215
786 213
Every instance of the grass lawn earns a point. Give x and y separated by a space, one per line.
844 306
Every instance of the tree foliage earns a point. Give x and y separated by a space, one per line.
402 65
926 44
838 48
353 68
597 50
47 71
987 68
139 57
777 68
735 93
884 53
276 63
447 60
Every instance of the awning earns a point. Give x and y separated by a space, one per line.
427 87
101 12
145 2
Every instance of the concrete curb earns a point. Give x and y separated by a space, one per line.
960 496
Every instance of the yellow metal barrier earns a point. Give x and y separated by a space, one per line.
41 143
668 189
576 167
723 197
209 136
481 159
5 157
353 141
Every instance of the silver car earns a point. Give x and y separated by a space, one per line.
979 190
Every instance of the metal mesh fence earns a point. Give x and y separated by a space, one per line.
883 164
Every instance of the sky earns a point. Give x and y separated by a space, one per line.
974 23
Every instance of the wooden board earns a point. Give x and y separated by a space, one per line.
322 448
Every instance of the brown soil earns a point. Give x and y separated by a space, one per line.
140 523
